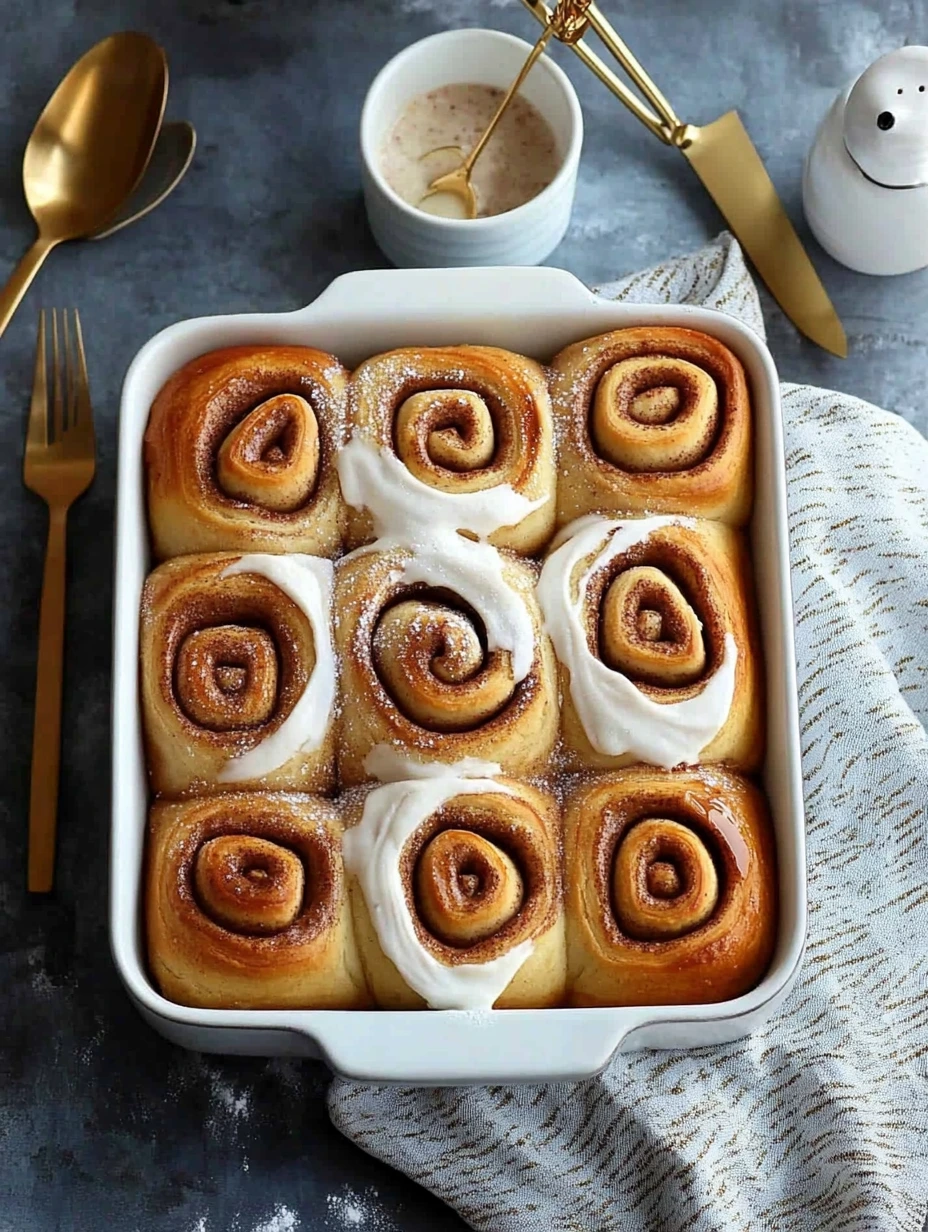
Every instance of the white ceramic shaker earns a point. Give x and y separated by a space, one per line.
865 186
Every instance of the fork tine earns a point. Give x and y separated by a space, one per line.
57 400
83 407
37 433
70 375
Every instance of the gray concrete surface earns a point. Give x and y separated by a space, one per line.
102 1125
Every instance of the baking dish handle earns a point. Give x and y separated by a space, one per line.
483 1046
421 294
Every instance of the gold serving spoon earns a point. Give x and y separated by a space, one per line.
89 148
567 23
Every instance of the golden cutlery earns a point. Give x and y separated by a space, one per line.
89 148
59 467
723 156
170 160
567 23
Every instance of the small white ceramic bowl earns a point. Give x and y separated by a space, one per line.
523 236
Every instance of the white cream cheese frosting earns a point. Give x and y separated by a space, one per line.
308 581
616 715
401 505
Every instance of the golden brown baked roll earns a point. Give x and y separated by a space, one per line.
238 674
240 453
442 657
653 419
671 889
456 892
455 438
652 622
246 905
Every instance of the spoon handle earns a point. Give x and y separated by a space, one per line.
488 132
20 279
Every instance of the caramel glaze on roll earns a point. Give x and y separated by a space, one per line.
240 451
456 893
653 624
418 674
246 905
465 422
671 888
238 675
653 419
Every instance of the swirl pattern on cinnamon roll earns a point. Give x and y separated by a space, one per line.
246 904
238 673
443 657
240 453
671 890
652 624
653 419
456 893
450 438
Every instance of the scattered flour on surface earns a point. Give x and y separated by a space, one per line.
281 1219
200 1225
87 1053
42 985
349 1210
39 979
234 1104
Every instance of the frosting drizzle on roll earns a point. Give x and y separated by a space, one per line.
617 716
474 572
307 580
373 853
450 439
401 505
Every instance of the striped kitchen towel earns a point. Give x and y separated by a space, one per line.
820 1121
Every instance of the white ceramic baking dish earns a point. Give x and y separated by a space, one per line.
536 311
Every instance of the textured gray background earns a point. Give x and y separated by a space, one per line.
101 1123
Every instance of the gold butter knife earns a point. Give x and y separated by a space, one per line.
723 156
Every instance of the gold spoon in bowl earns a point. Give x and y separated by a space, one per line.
567 23
89 148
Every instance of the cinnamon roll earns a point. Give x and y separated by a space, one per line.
442 657
652 623
240 453
456 892
452 438
653 419
671 894
238 674
246 906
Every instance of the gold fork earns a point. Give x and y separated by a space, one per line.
59 467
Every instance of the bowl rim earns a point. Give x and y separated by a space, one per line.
463 226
